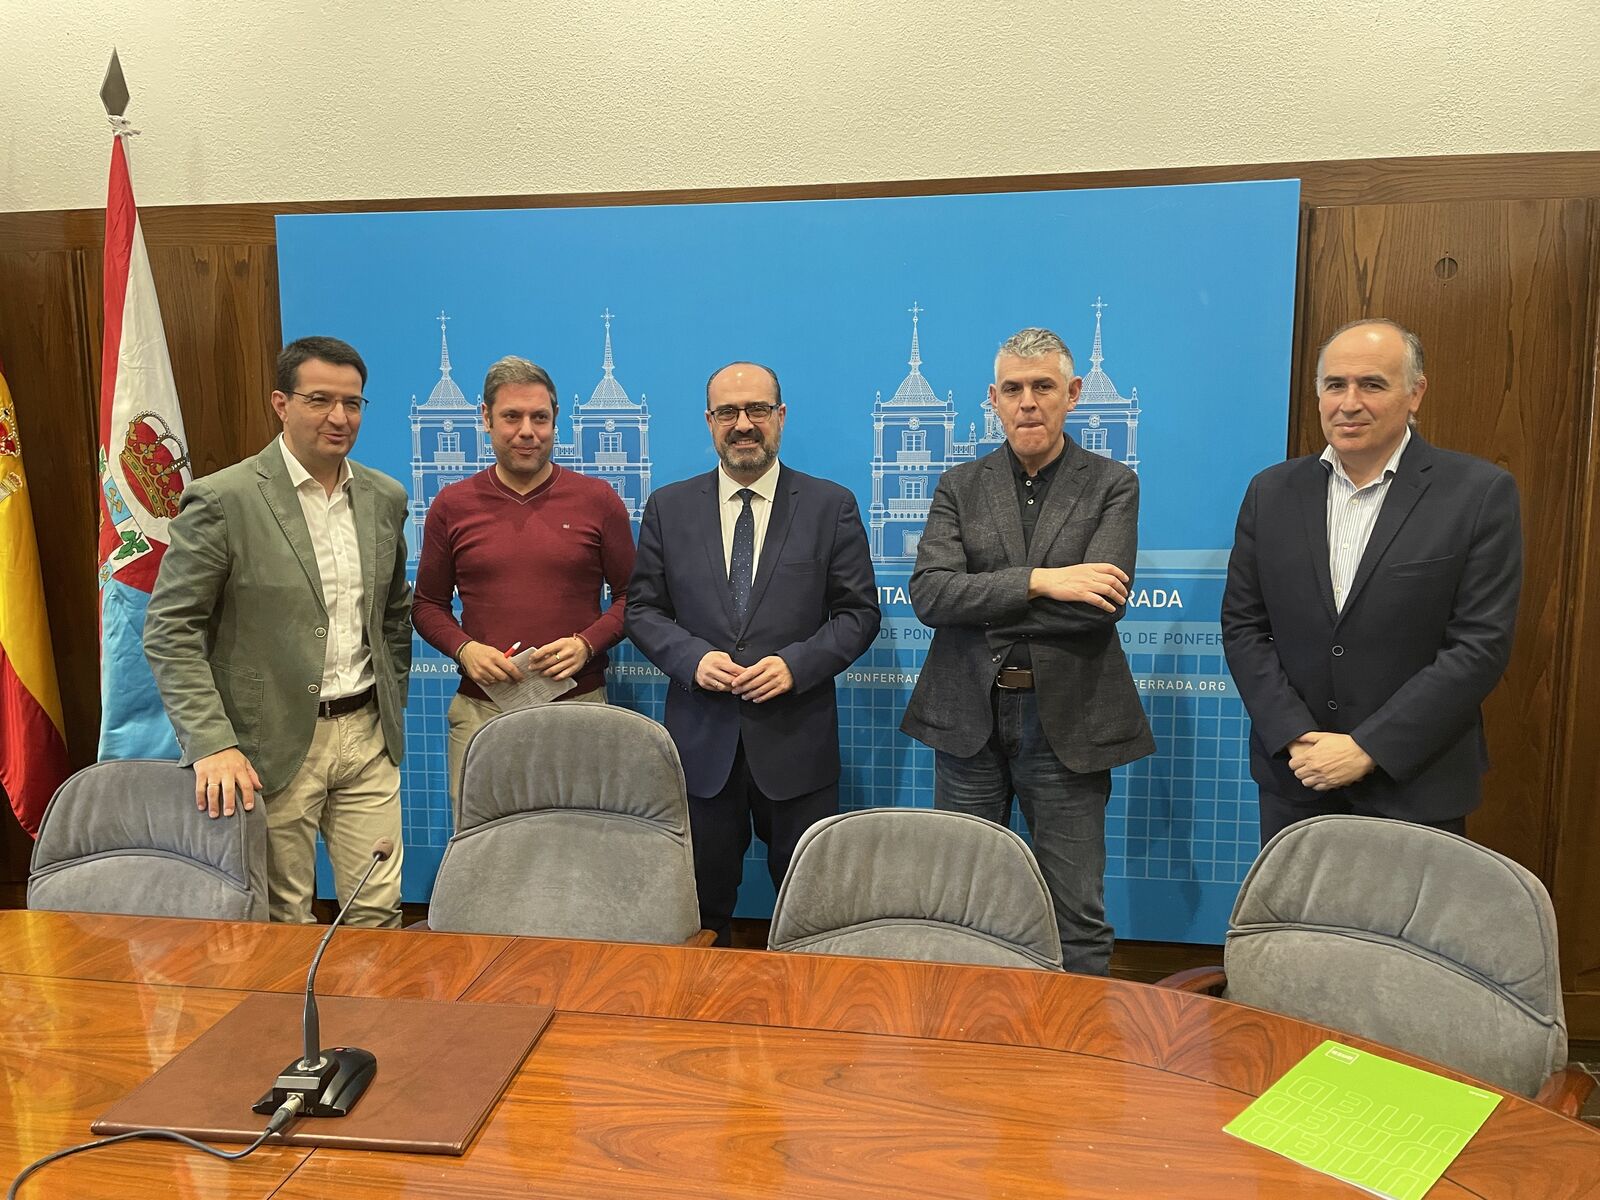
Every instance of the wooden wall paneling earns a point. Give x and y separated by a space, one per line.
1323 183
1577 843
41 348
1304 348
220 307
1329 293
40 338
1498 291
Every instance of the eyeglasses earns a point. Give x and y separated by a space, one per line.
321 405
728 414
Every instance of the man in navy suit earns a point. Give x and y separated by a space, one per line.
1370 604
752 589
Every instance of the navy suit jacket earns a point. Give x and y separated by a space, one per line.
813 603
1423 637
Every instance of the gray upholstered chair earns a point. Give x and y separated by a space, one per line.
1406 936
125 837
574 823
920 884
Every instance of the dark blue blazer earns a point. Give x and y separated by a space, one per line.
1423 637
814 604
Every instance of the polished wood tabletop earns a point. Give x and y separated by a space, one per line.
684 1072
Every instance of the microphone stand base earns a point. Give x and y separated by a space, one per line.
330 1090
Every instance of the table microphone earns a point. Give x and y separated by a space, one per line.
329 1081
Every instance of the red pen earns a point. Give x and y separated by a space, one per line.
515 646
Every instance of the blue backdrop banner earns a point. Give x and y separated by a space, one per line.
882 318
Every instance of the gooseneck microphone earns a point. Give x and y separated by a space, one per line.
320 1083
328 1081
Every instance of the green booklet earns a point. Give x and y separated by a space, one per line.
1388 1128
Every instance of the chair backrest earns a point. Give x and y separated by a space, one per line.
125 837
574 823
920 884
1408 936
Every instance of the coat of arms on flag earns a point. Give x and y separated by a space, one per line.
153 466
10 447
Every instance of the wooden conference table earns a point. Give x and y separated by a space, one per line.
685 1072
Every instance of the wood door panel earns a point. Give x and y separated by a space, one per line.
1498 291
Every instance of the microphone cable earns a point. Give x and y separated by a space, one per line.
286 1112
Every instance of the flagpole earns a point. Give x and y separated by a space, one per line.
143 461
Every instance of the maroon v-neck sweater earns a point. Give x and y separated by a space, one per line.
528 568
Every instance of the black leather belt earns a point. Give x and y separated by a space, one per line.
1015 679
344 705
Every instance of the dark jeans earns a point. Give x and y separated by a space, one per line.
719 827
1065 812
1277 814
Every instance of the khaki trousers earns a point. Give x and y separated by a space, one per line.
349 789
466 716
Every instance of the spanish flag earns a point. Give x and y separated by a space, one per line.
33 747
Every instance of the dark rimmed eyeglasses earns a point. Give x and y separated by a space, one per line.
317 403
728 414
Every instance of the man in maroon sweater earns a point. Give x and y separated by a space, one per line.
527 546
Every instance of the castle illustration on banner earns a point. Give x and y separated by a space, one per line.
914 441
610 439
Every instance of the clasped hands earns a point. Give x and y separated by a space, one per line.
761 680
560 659
1323 761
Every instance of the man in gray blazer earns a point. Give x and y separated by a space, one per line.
279 632
1023 572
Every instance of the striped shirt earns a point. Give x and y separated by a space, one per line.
1352 513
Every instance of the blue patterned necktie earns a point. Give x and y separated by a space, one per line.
741 567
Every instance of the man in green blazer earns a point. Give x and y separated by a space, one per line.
279 633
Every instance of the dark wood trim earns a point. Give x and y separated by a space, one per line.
1323 182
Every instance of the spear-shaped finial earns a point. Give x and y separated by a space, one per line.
114 95
114 90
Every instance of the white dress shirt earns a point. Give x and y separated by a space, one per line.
347 660
1352 513
731 506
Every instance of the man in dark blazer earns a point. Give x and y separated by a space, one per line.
752 589
1371 600
1023 572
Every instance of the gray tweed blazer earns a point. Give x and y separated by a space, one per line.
970 585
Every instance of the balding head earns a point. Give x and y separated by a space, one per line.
1373 330
745 371
744 412
1367 393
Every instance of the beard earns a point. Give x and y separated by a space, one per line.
752 455
520 467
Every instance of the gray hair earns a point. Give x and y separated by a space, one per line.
1035 343
1413 347
512 369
